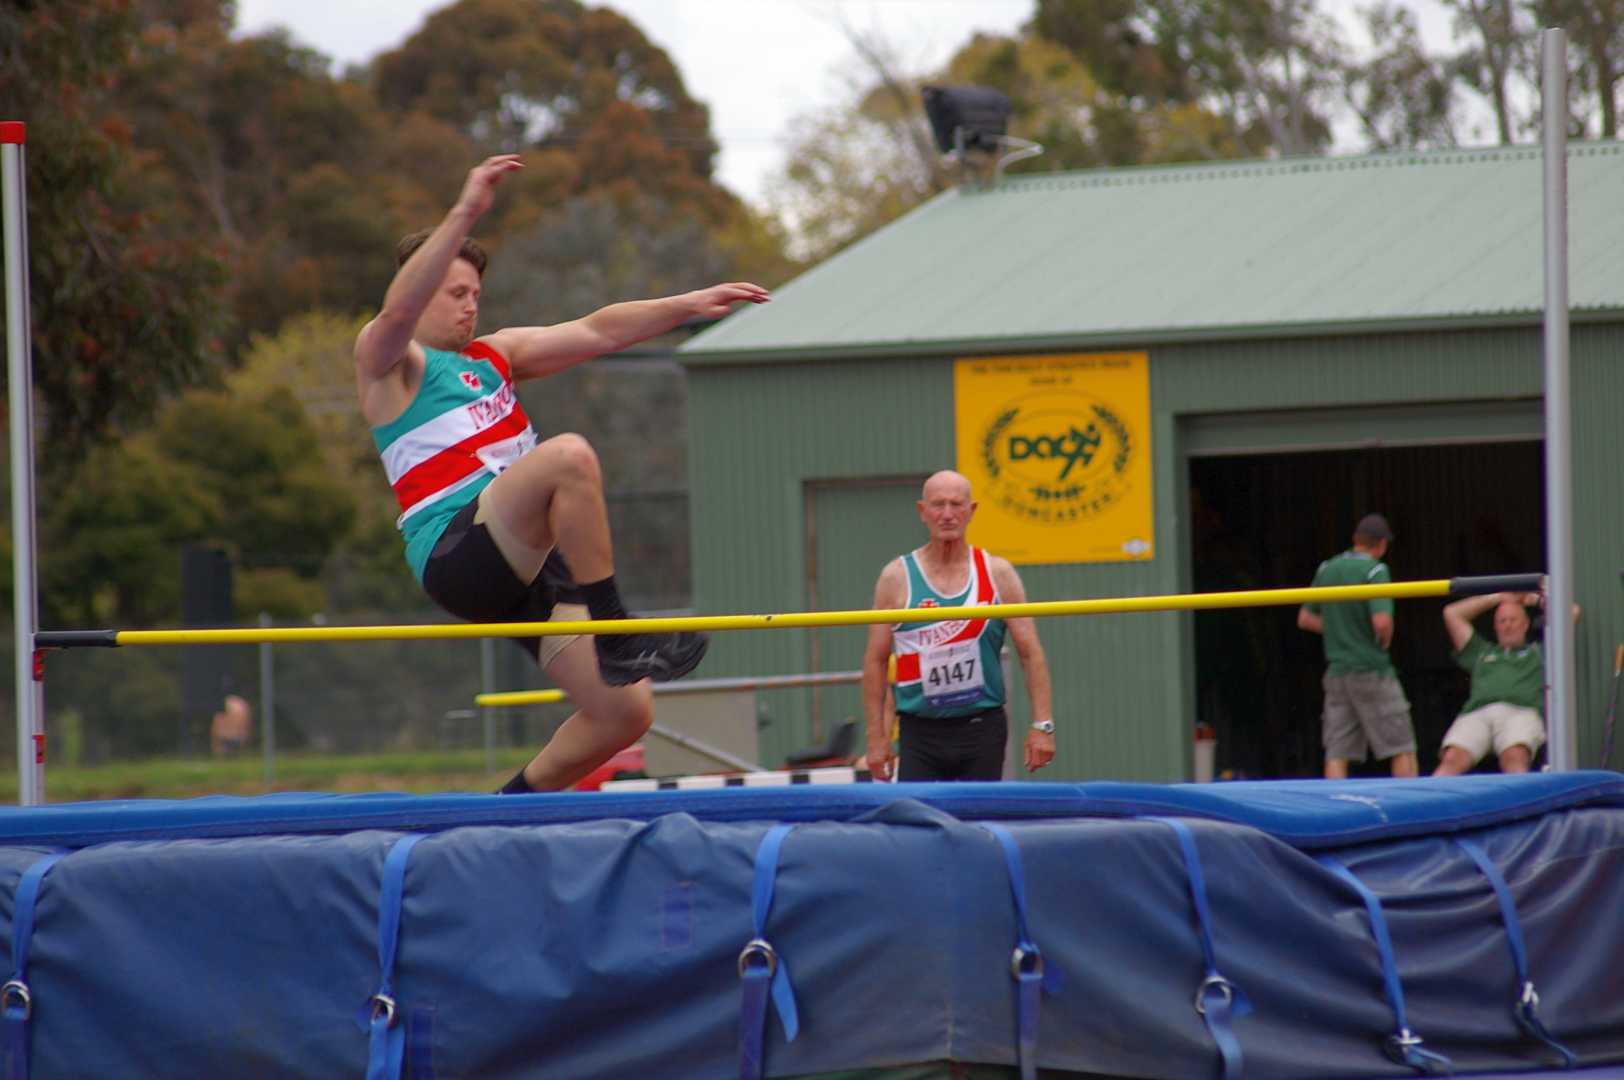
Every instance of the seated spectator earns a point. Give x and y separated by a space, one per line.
1505 710
229 732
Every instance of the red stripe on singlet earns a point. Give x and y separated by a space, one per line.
908 663
478 350
454 462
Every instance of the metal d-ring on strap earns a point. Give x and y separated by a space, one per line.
16 999
761 970
1026 962
1217 1000
1403 1046
386 1038
1526 1007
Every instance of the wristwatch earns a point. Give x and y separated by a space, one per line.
1045 726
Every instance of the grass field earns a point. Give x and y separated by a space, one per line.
184 778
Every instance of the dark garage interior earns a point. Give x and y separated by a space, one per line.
1267 520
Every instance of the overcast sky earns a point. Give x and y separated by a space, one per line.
756 63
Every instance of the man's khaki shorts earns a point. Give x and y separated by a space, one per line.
1364 712
1499 726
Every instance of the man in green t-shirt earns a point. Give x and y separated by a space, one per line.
1365 707
1505 711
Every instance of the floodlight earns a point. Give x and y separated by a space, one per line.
966 117
972 119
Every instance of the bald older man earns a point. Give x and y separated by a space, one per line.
1505 712
950 691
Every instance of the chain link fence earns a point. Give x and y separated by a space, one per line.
129 703
105 705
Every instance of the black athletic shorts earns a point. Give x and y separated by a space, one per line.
468 576
969 747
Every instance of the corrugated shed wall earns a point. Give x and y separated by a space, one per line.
758 433
1297 373
1598 524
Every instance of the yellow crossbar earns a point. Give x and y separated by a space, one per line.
518 697
1398 590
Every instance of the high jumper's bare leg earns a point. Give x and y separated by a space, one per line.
553 496
609 719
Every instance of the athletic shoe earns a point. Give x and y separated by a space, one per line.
626 658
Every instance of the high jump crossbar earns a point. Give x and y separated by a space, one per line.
1399 590
687 686
500 699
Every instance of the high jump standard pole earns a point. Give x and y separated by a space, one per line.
20 370
1559 660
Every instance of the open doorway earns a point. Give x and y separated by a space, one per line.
1267 520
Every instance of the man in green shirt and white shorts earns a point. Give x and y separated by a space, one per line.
1506 710
1365 707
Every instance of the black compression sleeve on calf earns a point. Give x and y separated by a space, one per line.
603 599
517 786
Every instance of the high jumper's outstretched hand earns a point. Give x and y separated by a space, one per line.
718 300
479 191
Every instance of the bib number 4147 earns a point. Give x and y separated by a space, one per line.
952 674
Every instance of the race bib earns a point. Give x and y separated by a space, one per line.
951 674
497 456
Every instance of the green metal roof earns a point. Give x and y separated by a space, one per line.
1146 255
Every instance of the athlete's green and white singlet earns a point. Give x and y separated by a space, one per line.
464 426
951 668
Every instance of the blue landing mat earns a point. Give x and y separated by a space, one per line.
600 935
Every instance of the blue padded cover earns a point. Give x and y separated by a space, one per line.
1304 813
596 935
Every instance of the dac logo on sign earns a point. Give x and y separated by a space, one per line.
1057 456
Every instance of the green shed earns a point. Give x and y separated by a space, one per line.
1324 338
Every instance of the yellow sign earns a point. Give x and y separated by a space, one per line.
1057 449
